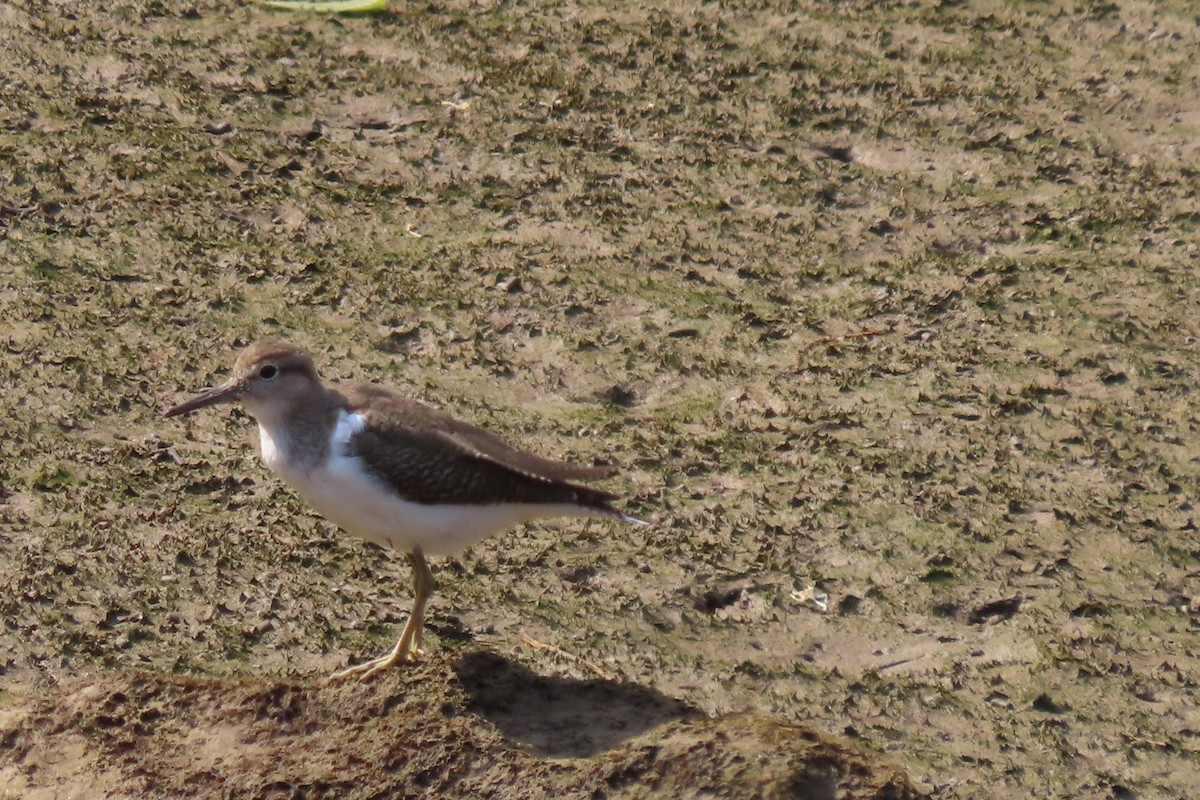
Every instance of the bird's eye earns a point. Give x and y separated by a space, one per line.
268 372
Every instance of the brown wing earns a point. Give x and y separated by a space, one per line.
430 457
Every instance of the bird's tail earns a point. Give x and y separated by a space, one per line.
617 514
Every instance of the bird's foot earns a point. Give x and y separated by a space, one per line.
367 669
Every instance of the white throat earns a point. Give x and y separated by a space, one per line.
288 447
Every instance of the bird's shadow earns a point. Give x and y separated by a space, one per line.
557 717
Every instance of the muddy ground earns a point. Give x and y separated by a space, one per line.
890 302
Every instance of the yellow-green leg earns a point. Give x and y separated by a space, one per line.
409 646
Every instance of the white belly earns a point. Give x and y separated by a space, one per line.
345 494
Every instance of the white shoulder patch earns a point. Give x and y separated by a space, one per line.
348 424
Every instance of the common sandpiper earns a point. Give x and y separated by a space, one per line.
395 471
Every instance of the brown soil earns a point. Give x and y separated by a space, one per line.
892 303
481 727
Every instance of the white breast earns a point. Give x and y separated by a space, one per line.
347 495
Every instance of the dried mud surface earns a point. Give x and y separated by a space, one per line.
894 302
436 731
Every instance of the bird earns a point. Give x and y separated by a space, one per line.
395 471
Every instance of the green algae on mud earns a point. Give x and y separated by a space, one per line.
898 300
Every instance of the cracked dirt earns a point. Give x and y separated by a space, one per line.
888 304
